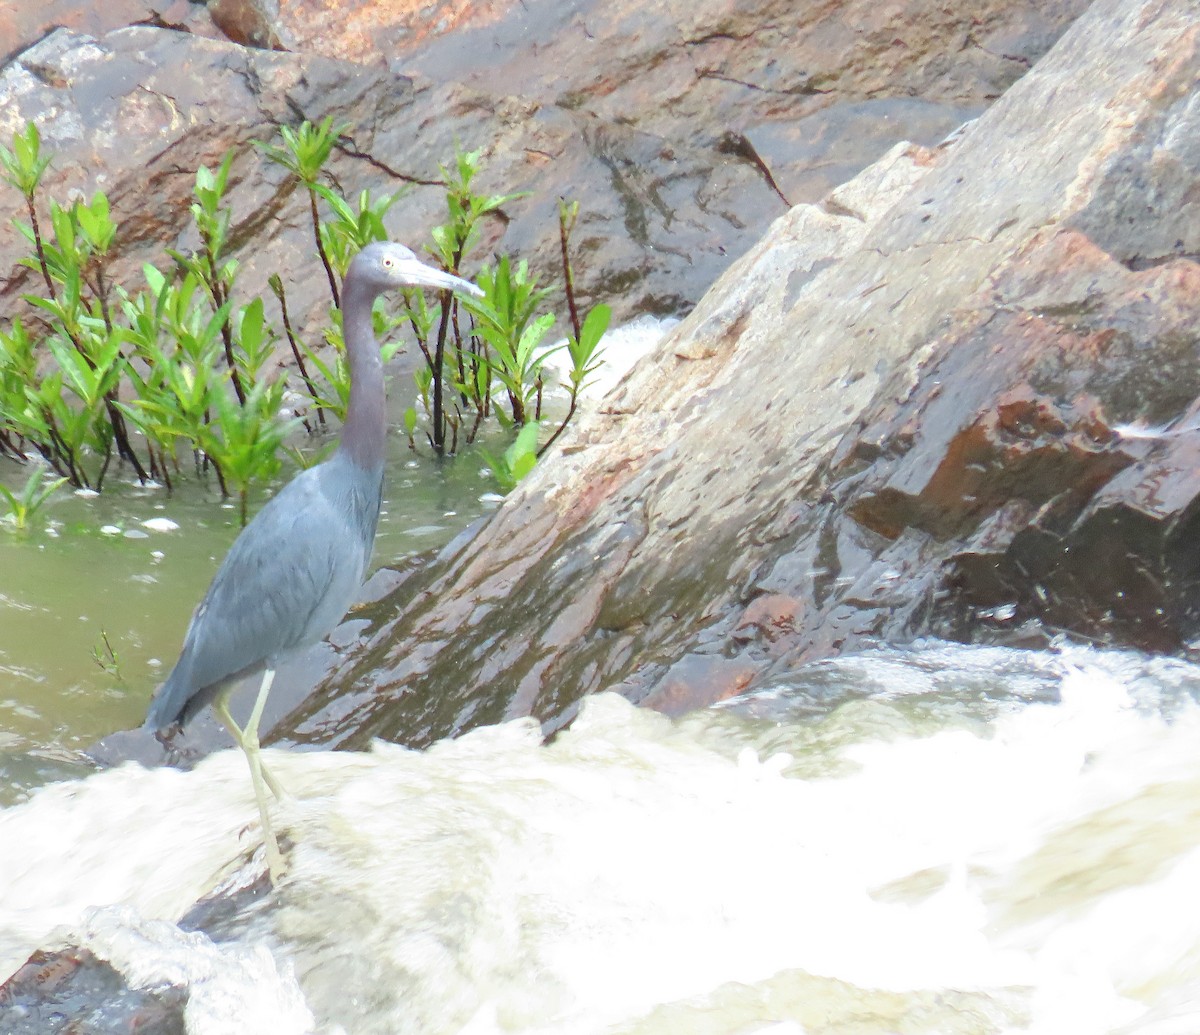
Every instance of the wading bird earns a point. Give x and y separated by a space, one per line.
294 570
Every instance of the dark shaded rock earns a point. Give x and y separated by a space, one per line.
1052 518
73 993
697 680
895 410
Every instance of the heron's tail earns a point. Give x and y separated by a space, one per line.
170 702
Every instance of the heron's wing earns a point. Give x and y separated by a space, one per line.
285 583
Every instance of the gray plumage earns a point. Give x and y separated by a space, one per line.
284 585
294 570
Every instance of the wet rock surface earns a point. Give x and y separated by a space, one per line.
24 24
683 131
892 417
72 992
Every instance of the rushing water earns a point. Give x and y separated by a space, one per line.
937 840
940 839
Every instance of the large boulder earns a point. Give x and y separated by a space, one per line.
892 416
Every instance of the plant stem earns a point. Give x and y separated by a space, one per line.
121 434
475 427
104 468
220 477
217 291
63 452
565 421
165 468
564 234
291 337
316 222
115 418
422 344
37 243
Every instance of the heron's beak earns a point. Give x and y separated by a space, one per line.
418 274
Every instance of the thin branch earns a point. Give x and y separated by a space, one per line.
316 222
297 355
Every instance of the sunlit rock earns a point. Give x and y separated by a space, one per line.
894 410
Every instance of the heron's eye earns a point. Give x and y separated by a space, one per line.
387 264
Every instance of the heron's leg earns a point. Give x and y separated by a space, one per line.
251 730
220 709
248 741
258 776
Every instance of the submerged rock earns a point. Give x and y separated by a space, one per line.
71 990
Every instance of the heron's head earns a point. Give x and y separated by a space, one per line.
385 265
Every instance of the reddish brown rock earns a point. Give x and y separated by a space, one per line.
769 615
374 32
697 680
23 24
247 22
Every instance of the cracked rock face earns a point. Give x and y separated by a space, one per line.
892 417
683 129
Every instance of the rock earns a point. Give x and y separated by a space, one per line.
697 680
146 107
24 24
370 32
895 410
47 996
565 101
248 22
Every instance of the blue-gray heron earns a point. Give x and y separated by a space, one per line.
296 567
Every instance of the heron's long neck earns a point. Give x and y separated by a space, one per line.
365 431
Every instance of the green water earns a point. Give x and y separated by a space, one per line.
91 571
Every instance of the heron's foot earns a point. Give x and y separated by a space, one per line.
166 737
276 867
273 785
247 740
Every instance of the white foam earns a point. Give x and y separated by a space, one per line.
1035 868
620 348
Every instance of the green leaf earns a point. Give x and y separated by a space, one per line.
336 202
593 327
